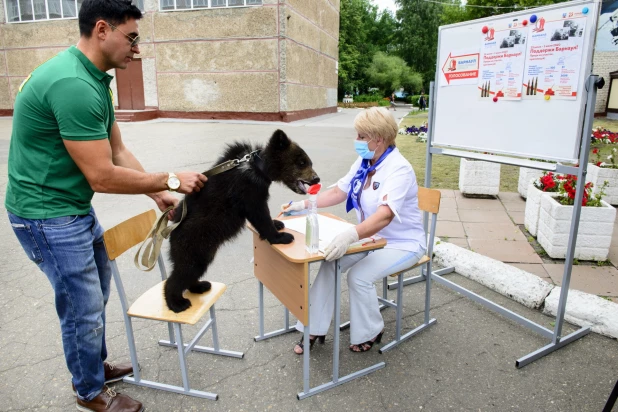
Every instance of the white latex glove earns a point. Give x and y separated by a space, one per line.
294 207
340 244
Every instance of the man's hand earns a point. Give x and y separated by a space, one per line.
190 182
340 244
165 200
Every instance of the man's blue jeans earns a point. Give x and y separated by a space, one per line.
70 251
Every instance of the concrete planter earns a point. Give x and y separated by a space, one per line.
595 229
533 208
598 175
479 178
525 176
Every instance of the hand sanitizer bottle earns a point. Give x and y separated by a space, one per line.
312 229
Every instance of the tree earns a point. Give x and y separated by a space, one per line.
363 31
389 73
418 35
495 7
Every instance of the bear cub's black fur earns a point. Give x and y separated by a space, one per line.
217 213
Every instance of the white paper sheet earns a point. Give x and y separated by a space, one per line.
329 229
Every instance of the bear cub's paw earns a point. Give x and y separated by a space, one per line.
281 238
178 304
200 287
278 224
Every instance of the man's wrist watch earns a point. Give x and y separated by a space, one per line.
173 182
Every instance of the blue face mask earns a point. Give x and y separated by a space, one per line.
362 148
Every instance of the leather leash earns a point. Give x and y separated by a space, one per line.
160 230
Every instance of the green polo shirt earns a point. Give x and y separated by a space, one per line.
67 97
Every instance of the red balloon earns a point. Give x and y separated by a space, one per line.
484 29
525 22
495 99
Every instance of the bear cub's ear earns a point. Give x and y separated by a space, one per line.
279 140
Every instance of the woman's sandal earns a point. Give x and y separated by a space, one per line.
301 345
364 347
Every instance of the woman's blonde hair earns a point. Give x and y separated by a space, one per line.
377 122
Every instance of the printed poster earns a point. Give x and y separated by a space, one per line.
554 56
460 67
503 57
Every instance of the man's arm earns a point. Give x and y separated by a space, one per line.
111 168
121 156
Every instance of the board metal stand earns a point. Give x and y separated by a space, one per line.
557 341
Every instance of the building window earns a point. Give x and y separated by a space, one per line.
34 10
204 4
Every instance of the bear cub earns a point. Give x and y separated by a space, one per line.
218 212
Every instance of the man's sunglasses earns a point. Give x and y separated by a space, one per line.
134 40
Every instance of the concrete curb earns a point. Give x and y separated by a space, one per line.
514 283
583 309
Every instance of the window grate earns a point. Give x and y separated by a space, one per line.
36 10
169 5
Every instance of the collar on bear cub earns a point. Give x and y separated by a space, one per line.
258 161
230 164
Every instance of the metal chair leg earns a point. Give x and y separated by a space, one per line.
181 356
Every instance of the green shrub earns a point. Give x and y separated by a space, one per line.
414 99
364 98
357 104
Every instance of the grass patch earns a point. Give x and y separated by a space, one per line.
445 170
606 124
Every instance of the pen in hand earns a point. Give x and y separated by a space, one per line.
280 213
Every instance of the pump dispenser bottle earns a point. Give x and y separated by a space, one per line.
312 229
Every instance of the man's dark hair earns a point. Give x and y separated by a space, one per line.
116 12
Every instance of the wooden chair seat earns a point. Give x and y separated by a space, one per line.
422 261
151 305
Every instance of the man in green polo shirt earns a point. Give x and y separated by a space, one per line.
65 146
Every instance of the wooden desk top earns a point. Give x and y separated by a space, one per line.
296 252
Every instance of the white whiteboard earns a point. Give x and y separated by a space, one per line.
540 129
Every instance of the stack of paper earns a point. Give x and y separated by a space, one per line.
329 229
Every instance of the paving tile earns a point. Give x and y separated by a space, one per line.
484 216
448 214
510 197
505 250
514 206
459 242
495 231
518 217
448 203
613 253
598 280
479 204
450 229
458 194
615 236
535 268
447 193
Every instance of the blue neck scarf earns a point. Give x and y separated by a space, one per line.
358 181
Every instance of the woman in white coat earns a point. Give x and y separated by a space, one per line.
381 187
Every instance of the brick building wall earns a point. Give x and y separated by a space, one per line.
273 61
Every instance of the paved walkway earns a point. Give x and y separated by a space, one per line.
466 362
493 227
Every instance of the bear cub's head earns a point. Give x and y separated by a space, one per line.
287 163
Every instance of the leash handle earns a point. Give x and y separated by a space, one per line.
154 240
